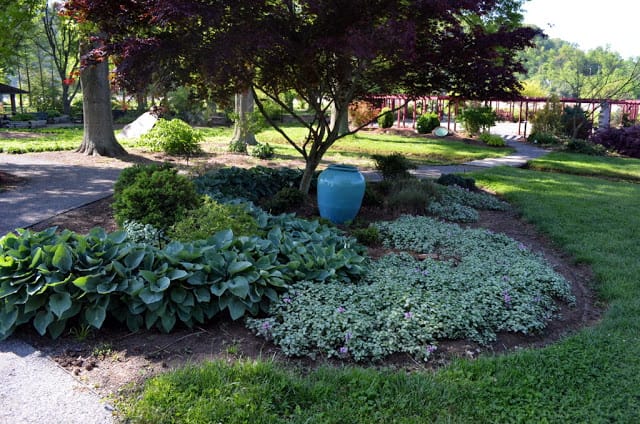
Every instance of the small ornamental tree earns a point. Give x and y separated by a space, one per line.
330 53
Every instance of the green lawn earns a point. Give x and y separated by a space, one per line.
355 149
571 163
591 376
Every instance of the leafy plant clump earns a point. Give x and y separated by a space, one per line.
411 195
385 120
585 147
262 151
492 140
252 184
210 218
284 200
460 205
473 284
625 141
476 119
54 280
453 179
395 165
427 122
152 194
174 137
544 138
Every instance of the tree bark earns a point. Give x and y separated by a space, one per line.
341 120
242 132
99 137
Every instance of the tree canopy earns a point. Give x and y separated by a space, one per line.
16 21
329 52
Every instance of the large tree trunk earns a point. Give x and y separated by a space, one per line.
340 120
242 132
99 138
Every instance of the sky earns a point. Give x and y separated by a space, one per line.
588 23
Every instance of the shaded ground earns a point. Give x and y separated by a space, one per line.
113 357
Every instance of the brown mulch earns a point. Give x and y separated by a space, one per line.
112 357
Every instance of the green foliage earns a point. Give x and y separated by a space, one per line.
22 117
492 140
427 123
252 184
411 195
144 233
262 151
369 236
453 179
174 137
475 119
372 195
458 204
285 199
237 146
210 218
405 305
543 138
386 118
395 165
48 279
585 147
548 119
152 194
575 123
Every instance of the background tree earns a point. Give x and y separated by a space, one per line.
16 21
329 52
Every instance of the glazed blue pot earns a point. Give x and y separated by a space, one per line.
340 193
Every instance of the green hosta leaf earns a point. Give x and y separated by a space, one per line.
134 258
118 237
223 239
177 274
37 258
167 321
59 303
95 315
236 267
148 296
150 276
34 303
219 288
107 287
56 328
178 295
236 307
239 286
134 322
42 321
62 258
88 283
7 289
8 317
160 285
202 294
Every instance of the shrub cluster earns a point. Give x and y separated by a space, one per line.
395 165
285 200
427 122
153 194
585 147
538 137
262 151
174 137
454 179
458 204
492 140
385 120
625 141
475 119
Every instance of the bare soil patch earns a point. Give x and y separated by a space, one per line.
113 357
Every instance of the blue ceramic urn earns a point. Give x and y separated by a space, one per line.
340 193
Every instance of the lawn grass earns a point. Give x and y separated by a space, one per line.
591 376
40 140
605 166
356 149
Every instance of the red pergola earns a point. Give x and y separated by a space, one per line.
445 105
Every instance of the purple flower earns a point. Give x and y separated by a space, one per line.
522 247
266 325
344 350
431 349
505 278
340 309
425 272
506 297
537 299
347 337
408 315
286 300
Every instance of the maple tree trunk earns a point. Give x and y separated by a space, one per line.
244 110
99 138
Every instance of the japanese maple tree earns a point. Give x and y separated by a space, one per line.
330 52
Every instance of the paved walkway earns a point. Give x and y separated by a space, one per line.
33 389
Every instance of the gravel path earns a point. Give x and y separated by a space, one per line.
33 388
